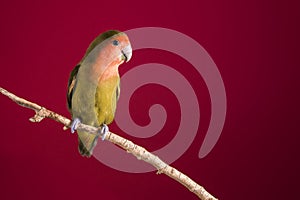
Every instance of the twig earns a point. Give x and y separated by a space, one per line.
138 151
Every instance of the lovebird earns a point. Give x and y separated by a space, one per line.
94 86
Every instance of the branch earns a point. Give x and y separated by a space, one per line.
138 151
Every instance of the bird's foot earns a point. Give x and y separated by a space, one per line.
74 124
104 131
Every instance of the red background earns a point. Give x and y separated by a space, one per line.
255 46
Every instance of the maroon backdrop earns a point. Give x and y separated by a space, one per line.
254 44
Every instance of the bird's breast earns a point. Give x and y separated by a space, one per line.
106 99
106 94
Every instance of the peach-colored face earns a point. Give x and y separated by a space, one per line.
121 44
114 52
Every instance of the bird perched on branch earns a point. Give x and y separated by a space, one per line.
94 86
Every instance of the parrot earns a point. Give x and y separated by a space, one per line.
94 86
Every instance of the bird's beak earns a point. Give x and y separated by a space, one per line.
127 53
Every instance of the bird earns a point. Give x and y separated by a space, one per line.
94 86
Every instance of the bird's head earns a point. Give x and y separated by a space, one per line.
104 55
120 43
112 45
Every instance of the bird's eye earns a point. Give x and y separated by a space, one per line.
115 42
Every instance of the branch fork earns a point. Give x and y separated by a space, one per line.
39 115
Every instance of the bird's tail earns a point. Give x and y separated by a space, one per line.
86 143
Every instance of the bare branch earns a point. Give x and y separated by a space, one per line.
138 151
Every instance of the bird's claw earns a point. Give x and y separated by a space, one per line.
104 131
75 124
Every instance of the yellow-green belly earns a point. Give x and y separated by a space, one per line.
106 100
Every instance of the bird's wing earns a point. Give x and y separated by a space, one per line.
71 86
